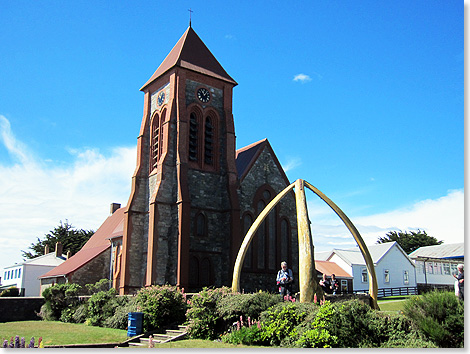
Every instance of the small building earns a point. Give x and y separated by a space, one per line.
435 265
329 268
393 267
25 275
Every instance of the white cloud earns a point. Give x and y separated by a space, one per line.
303 78
292 163
442 218
36 195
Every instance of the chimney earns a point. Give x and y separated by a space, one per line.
58 249
114 207
69 254
46 249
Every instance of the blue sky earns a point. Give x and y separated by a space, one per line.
363 99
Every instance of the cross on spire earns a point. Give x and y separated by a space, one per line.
190 12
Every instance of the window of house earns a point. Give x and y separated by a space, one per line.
453 268
5 276
437 268
344 285
386 276
406 277
19 273
446 268
16 273
364 275
430 268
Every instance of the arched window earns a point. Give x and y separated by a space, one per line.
201 225
285 241
261 238
206 272
156 139
208 141
193 137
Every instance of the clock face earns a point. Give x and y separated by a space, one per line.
204 95
161 98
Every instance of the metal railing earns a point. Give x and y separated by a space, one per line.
384 292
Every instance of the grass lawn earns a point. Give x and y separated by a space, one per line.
57 333
392 303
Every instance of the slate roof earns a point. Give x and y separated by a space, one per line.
444 251
191 53
96 245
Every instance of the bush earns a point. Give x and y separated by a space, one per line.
245 335
232 306
12 291
120 318
60 298
278 322
203 320
162 306
101 306
440 317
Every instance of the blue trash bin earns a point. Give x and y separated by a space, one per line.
134 323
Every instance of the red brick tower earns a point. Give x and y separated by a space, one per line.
182 219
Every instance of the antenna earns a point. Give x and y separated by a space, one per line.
190 12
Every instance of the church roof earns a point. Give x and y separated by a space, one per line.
247 156
191 53
96 245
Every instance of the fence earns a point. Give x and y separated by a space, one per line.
384 292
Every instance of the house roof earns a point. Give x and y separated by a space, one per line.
353 256
246 157
45 260
444 251
97 244
329 268
191 53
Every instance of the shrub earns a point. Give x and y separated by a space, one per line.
101 306
278 322
100 285
12 291
440 317
120 317
162 306
319 336
59 298
232 306
203 320
244 335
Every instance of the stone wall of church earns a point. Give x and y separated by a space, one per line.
98 268
266 171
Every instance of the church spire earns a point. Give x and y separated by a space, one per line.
190 13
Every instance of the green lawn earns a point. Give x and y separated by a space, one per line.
392 303
58 333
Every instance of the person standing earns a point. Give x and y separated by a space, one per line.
459 278
284 279
325 284
334 285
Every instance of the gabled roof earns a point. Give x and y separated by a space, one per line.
191 53
246 157
353 256
329 268
445 251
97 244
45 260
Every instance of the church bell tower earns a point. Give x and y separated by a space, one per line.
181 224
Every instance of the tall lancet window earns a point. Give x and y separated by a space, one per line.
157 139
193 137
208 142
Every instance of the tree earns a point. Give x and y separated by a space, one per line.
71 239
410 241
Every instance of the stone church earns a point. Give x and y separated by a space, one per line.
194 196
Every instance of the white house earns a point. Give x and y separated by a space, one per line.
436 264
25 275
393 268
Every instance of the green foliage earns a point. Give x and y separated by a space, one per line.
440 316
119 318
162 306
60 298
319 336
203 320
100 285
245 335
71 239
232 306
12 291
101 306
278 322
410 242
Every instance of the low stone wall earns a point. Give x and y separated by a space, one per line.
20 308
